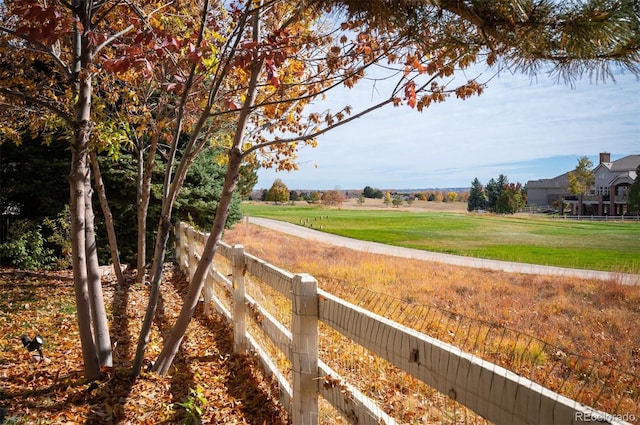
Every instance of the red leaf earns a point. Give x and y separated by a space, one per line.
171 43
230 104
410 93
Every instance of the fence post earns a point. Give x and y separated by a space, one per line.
180 254
192 261
304 329
239 308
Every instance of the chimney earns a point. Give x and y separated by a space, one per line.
605 157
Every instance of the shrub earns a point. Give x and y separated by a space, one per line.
25 248
45 246
58 232
332 198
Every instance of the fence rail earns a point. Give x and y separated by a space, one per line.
494 393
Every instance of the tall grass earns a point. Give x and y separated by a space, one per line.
587 318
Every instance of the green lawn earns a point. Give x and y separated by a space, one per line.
609 246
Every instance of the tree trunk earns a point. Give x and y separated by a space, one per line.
145 172
108 218
172 344
170 191
580 197
164 229
96 300
141 257
162 236
78 174
160 248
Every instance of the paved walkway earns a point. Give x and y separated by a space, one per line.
378 248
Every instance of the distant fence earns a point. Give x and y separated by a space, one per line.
629 218
295 339
552 213
537 209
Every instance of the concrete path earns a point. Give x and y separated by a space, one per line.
378 248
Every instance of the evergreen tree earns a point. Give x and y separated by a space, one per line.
634 194
493 190
503 180
372 193
477 198
198 199
34 197
33 179
197 202
248 180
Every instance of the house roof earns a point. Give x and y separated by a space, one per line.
628 163
622 178
625 168
559 181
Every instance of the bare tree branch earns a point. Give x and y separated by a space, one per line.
38 102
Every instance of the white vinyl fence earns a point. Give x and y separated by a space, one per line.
494 393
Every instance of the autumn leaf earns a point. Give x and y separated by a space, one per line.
410 93
54 391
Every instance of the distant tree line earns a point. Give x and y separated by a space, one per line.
498 196
396 198
279 193
372 193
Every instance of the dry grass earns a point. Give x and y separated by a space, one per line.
565 307
416 206
586 318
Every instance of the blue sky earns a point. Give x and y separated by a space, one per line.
521 127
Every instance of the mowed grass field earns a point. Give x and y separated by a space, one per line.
535 239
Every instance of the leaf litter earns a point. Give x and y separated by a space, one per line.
207 383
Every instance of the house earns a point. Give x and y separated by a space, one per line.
608 195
